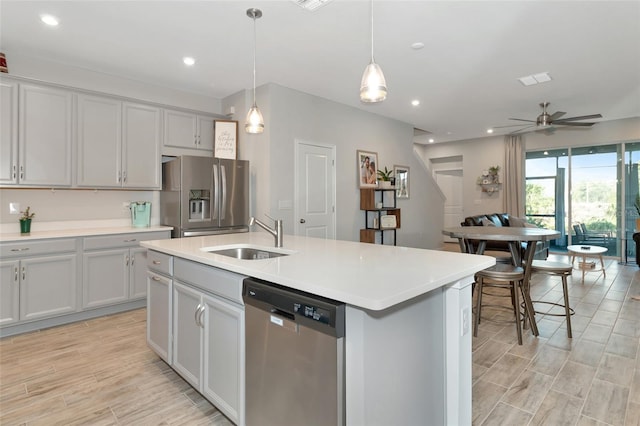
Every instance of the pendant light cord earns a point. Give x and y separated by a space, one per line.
371 30
254 59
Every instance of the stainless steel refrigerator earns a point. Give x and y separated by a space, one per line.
204 196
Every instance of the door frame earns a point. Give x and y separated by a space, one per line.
296 184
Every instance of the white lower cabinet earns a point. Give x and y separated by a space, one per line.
40 282
115 268
207 332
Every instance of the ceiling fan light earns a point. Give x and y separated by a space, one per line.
254 123
373 87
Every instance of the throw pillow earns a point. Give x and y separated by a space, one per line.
487 222
517 222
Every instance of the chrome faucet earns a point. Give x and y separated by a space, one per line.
277 232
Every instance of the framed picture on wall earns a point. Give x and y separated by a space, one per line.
225 139
367 163
402 181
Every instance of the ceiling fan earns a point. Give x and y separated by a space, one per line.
546 121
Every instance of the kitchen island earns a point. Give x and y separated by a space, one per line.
408 316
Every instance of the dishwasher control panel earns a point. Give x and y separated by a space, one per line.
303 308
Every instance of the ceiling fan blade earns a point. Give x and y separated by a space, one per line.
512 125
582 117
571 123
556 115
519 131
521 119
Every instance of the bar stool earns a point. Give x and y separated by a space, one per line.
503 276
562 270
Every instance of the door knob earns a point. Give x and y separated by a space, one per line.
302 221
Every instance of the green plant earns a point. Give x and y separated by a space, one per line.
493 170
26 214
385 175
637 203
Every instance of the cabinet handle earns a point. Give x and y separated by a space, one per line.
21 172
124 177
133 259
126 261
14 171
15 278
21 249
24 273
195 315
130 241
200 317
119 177
156 262
154 278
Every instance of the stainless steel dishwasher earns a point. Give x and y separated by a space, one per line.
294 357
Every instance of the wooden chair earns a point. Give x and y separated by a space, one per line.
504 276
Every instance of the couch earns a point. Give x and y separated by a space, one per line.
504 219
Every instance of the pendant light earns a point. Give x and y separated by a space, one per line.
254 122
373 87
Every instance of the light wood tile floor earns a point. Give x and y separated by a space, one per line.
96 372
100 372
592 379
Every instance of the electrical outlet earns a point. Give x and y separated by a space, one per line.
125 205
464 321
14 208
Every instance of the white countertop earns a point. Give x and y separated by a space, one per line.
77 232
364 275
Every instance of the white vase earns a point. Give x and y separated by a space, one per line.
384 184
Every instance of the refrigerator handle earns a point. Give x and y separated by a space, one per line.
215 193
223 175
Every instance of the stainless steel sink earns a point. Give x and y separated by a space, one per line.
246 253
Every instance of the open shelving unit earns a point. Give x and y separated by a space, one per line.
377 204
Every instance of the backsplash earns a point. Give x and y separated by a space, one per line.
83 207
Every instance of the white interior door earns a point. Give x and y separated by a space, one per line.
450 183
315 188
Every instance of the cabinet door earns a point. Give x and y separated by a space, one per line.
45 136
187 334
223 379
205 133
9 291
159 290
105 277
99 133
8 132
180 129
47 286
137 273
141 146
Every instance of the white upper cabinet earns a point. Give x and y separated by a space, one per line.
99 130
141 145
186 130
8 132
45 136
118 144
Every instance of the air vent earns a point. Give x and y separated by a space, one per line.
311 4
530 80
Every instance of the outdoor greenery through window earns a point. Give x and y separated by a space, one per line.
579 192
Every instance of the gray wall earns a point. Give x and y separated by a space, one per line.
291 115
479 154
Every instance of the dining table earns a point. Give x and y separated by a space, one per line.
473 240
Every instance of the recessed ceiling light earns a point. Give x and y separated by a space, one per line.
489 131
432 140
49 20
417 45
188 60
415 102
530 80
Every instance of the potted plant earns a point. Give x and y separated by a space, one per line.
25 221
493 173
385 177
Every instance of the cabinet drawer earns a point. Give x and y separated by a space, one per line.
122 240
160 262
217 281
30 248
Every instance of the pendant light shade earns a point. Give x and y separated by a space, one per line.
254 122
373 87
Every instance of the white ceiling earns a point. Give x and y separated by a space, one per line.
465 76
